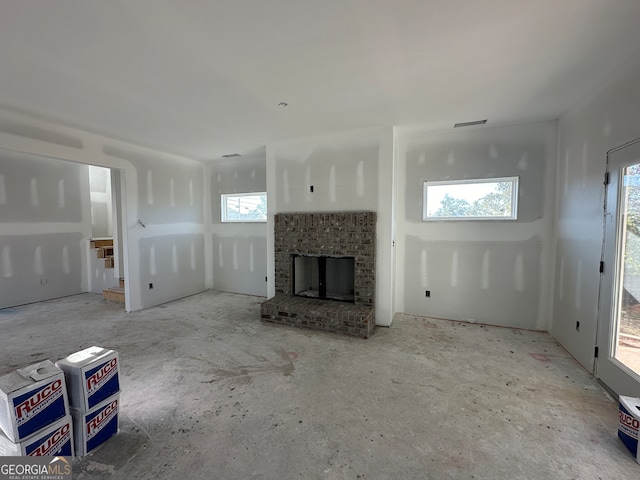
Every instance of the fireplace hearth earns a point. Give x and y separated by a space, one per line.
325 272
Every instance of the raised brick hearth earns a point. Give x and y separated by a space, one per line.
327 315
349 234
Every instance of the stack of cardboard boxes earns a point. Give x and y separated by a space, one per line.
34 412
63 409
93 384
629 424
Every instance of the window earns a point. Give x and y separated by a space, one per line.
478 199
244 207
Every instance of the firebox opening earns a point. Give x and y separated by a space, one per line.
324 277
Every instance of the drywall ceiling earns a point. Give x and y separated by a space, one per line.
204 78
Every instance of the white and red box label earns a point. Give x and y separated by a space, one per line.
92 376
31 409
102 381
58 442
31 399
54 440
96 426
629 424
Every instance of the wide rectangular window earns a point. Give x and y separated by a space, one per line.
244 207
477 199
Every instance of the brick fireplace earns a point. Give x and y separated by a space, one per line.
335 237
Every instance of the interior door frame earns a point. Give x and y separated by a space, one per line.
609 370
120 232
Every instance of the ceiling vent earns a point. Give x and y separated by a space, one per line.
468 124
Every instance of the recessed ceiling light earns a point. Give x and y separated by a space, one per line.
231 155
468 124
283 104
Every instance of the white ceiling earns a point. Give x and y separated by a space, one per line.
204 78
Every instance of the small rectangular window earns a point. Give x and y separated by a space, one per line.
244 207
477 199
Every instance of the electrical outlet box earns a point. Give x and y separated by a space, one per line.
427 293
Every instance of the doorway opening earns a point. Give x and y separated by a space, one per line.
627 307
105 253
618 366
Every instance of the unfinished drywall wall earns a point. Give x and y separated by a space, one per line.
172 267
495 272
240 263
162 195
168 227
351 171
603 121
328 178
169 190
239 249
41 227
37 189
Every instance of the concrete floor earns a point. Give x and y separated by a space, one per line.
211 393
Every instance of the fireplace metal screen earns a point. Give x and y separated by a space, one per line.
324 277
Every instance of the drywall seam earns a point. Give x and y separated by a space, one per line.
208 227
42 228
484 231
238 229
272 208
160 229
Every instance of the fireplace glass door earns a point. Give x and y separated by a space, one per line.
324 277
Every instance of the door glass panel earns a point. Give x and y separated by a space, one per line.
627 328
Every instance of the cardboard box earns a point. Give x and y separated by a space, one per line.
54 440
92 377
31 399
629 424
96 426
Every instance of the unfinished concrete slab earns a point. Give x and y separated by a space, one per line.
208 391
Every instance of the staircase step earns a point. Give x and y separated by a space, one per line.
115 294
104 252
102 242
108 262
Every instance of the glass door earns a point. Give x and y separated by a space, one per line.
618 362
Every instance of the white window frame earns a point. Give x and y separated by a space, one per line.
514 198
224 209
